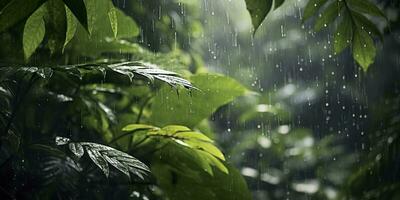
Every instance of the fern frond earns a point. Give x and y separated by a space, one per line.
102 155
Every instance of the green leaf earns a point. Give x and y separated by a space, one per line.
78 8
278 3
343 35
190 108
56 25
129 29
367 7
220 186
92 12
137 127
258 10
34 31
99 160
16 11
71 27
112 15
328 15
364 23
312 8
364 51
76 149
103 155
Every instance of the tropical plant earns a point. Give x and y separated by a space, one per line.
87 111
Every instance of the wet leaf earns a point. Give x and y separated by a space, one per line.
328 15
344 34
78 8
16 11
312 8
364 51
258 10
71 27
34 31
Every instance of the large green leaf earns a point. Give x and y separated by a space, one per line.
34 31
183 141
364 51
367 7
258 10
190 108
328 15
16 11
220 186
312 8
344 34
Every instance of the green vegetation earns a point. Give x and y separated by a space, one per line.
104 99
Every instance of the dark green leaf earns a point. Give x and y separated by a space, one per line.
78 8
366 24
312 8
278 3
99 160
328 15
16 11
343 35
364 51
34 31
258 10
367 7
76 149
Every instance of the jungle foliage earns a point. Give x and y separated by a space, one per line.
103 99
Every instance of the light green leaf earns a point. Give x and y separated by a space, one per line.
112 15
71 26
137 127
16 11
78 8
328 15
343 35
129 28
34 31
190 108
312 8
364 51
258 10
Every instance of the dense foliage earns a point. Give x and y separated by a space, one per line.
110 99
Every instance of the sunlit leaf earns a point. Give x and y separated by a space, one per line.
364 51
112 15
71 26
34 31
190 108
